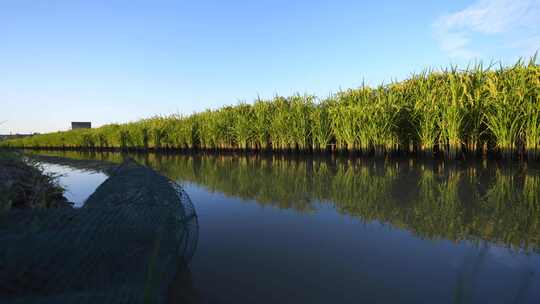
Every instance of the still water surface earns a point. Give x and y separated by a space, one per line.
326 230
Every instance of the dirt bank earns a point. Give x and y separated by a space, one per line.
23 184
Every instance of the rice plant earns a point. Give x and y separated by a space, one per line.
345 117
280 132
475 101
503 116
440 113
321 126
242 127
426 112
262 114
299 121
452 114
531 111
384 118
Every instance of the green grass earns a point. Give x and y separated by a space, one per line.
451 113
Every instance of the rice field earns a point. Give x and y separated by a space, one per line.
448 113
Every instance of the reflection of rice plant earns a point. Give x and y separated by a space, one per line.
531 193
450 205
364 190
431 200
512 203
438 206
502 193
426 185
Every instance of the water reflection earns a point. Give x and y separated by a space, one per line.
477 201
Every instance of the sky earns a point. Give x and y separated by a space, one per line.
118 61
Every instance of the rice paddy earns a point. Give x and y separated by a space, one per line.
449 113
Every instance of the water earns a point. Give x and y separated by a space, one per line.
324 230
79 184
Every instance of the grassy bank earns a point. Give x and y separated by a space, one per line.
24 185
449 113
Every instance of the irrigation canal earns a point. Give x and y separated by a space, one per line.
317 230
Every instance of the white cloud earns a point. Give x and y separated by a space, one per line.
528 46
515 20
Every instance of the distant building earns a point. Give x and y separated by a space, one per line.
81 125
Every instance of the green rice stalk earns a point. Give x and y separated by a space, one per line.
321 126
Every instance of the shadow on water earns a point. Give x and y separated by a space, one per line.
131 242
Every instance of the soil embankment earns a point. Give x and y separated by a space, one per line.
23 184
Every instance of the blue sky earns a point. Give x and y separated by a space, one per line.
117 61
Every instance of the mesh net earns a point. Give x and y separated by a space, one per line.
125 245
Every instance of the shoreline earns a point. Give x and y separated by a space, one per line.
435 155
24 185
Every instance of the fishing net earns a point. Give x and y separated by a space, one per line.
128 244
